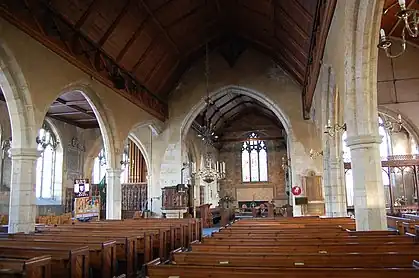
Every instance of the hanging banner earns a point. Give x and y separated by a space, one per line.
87 207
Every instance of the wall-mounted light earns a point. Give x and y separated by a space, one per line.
332 130
314 154
392 126
285 163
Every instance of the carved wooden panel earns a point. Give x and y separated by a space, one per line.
134 197
173 199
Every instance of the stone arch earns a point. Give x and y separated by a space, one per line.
406 122
284 119
362 20
107 124
18 100
142 148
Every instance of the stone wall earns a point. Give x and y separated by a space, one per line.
230 153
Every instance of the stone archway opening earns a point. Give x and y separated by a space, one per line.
252 137
22 128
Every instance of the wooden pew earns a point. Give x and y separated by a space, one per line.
102 254
296 240
339 260
144 238
312 248
191 271
36 267
126 246
66 261
307 248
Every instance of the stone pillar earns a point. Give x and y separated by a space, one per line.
369 200
113 194
22 207
334 185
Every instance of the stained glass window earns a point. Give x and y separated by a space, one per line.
254 160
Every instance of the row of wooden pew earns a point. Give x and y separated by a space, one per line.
296 248
105 249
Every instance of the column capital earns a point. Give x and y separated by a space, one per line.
25 153
114 172
362 141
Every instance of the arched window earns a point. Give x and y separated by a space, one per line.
48 167
254 160
99 167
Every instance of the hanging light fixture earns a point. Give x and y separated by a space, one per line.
411 22
212 169
46 138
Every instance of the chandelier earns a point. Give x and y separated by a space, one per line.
411 22
212 170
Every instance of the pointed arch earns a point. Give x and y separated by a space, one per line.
18 100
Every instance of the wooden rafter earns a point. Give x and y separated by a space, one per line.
86 14
164 31
77 108
114 24
133 38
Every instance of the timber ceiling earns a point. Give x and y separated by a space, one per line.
142 47
71 108
74 109
230 106
392 24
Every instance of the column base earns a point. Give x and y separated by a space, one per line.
370 219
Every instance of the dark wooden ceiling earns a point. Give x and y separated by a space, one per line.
142 47
74 109
391 23
230 106
71 108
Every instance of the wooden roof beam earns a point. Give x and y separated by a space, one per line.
86 14
114 24
133 38
164 31
77 108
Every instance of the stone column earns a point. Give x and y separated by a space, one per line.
334 185
22 207
369 200
113 194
